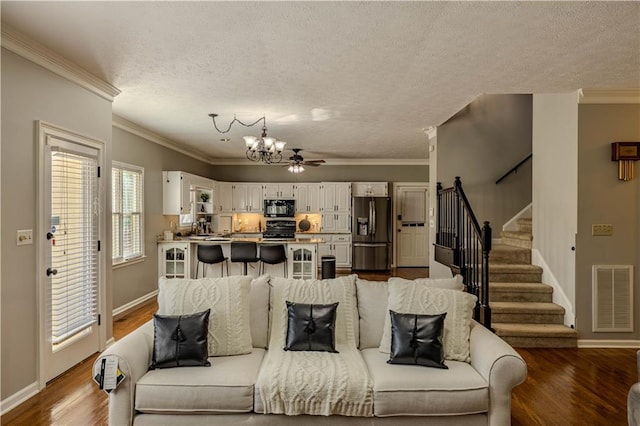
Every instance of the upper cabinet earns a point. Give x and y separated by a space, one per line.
370 189
307 196
272 191
223 196
247 197
335 197
175 193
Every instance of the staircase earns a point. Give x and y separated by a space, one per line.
523 313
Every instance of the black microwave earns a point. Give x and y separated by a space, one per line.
279 208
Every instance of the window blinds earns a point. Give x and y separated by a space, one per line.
74 253
127 205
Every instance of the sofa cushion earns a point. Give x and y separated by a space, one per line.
412 298
373 298
411 390
228 299
259 316
225 387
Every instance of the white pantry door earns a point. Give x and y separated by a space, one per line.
413 231
70 255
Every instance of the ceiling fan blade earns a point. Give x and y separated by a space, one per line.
305 163
314 161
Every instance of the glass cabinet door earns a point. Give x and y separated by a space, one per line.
302 263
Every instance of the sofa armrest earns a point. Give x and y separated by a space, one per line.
134 353
501 366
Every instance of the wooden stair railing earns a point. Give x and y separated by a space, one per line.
464 246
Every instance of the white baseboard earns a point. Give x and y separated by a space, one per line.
18 398
109 343
589 343
559 296
134 303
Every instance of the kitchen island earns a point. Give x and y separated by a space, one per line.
178 258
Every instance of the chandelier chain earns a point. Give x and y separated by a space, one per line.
235 120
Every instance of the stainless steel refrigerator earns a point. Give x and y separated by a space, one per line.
371 228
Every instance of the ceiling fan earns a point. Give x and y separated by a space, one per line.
296 162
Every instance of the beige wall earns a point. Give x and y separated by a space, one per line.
481 143
137 280
555 194
30 93
602 198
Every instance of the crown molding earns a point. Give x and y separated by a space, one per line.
334 162
35 52
609 96
128 126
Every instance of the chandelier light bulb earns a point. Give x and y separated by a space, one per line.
250 140
280 146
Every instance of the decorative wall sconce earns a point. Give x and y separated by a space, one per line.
625 153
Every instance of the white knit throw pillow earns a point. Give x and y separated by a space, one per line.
228 299
421 298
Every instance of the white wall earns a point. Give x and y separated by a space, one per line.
436 269
555 193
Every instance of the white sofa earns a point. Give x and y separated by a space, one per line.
477 393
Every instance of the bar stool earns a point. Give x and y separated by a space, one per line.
272 255
211 254
245 252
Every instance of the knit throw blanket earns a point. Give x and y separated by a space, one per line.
315 383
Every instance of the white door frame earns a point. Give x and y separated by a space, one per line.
44 130
396 208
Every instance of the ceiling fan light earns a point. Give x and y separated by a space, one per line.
291 169
250 141
300 169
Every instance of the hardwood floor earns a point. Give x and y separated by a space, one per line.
563 387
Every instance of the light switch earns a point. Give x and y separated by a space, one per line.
602 229
24 237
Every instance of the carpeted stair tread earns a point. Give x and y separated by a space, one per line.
526 308
534 330
521 287
504 253
524 224
518 235
520 292
505 268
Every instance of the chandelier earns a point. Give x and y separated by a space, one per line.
265 148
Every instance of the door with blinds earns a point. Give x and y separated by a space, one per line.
71 255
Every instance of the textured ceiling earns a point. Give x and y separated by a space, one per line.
348 80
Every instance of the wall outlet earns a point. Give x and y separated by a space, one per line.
24 237
602 229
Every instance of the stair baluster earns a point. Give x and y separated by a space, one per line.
463 246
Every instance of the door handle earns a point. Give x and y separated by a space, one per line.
51 271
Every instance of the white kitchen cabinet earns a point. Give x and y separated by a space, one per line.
271 191
174 260
338 245
335 197
175 193
370 189
307 196
302 261
336 222
224 197
247 198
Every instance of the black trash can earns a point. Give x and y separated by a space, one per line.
328 266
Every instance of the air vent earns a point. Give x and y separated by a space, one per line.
612 298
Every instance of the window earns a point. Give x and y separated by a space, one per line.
186 220
127 212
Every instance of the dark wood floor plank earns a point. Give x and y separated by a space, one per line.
563 386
